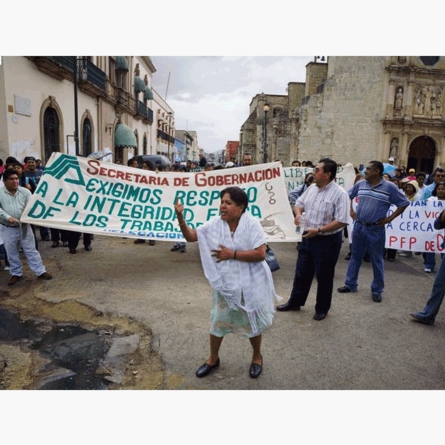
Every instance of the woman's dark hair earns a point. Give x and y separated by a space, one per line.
237 195
309 177
150 165
18 164
329 166
434 192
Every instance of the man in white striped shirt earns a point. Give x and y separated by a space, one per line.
326 207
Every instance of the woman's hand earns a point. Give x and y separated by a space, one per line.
179 208
189 234
224 253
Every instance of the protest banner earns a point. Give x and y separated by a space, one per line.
87 195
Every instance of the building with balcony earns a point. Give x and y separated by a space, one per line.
163 139
79 105
191 147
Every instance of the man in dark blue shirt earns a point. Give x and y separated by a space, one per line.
375 197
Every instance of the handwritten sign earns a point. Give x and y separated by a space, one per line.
294 176
414 229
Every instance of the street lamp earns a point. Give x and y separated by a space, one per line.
170 114
266 108
76 119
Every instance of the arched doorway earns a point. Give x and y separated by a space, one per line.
422 153
87 143
51 133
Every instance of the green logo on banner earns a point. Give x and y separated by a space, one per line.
62 165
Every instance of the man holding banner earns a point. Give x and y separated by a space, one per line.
325 204
375 196
13 200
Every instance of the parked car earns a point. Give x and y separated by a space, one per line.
159 162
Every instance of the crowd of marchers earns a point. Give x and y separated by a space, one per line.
233 245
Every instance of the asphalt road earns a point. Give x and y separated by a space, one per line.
361 345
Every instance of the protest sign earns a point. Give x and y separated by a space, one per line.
414 229
87 195
294 176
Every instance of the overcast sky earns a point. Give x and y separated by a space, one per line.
212 95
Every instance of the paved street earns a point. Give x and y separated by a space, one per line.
360 345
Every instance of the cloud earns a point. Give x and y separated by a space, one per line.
211 95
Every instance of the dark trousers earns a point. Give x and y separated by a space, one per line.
33 228
59 235
316 256
44 232
390 254
73 239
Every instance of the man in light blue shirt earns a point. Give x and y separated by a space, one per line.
13 200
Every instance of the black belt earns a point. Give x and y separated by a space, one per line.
367 224
12 227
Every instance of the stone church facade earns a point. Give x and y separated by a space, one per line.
355 109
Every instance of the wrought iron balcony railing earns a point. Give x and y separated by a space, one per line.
166 137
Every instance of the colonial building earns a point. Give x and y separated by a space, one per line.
232 151
354 109
190 143
80 105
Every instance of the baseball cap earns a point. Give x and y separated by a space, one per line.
411 170
230 164
391 159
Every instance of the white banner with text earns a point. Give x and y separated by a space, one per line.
88 195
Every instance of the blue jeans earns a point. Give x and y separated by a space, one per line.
436 297
316 256
23 234
371 239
